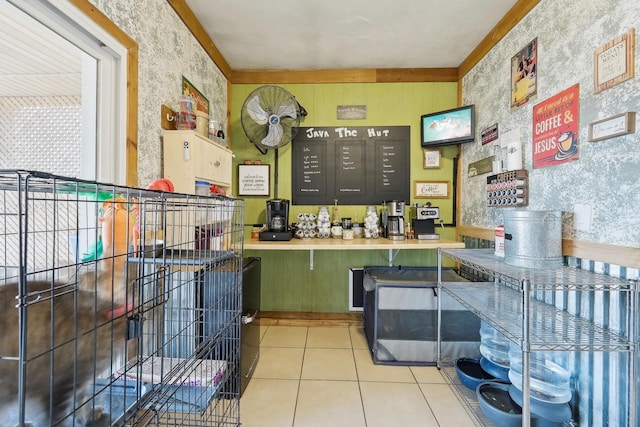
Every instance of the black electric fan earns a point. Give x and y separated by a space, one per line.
270 118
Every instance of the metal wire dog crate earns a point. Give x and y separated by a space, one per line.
118 306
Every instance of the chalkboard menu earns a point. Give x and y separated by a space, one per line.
363 165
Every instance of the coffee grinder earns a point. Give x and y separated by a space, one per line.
394 212
423 221
277 221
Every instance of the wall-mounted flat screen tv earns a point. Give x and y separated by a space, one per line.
449 127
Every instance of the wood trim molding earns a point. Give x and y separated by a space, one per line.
131 45
619 255
381 75
188 17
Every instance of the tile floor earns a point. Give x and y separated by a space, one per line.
324 376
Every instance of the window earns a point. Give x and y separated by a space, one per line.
62 93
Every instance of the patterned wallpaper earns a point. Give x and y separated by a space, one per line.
607 174
167 51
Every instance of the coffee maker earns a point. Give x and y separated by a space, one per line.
423 221
393 210
277 221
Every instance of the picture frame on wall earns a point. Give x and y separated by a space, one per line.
201 101
253 180
431 189
613 62
524 73
431 158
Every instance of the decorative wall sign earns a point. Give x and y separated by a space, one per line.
621 124
613 63
555 129
431 189
489 134
481 166
431 159
351 112
202 103
524 71
253 180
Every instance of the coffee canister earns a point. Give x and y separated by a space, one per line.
533 239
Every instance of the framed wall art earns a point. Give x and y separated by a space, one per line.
431 189
613 62
253 180
524 72
431 158
618 125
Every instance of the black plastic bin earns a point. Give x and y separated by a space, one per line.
401 319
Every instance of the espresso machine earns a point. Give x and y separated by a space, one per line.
277 221
423 221
393 211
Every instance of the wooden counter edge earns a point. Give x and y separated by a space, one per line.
356 244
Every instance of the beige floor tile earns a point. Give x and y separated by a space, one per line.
268 403
368 371
328 337
279 363
428 375
449 411
358 338
329 403
395 404
284 336
328 364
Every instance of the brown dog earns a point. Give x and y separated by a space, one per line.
72 337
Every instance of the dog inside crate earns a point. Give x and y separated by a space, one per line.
63 320
117 305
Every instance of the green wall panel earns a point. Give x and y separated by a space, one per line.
288 284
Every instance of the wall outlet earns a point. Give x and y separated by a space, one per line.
582 217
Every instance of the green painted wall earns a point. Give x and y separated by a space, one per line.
288 283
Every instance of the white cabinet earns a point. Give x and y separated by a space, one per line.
190 157
512 300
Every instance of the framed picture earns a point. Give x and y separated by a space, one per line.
431 189
613 62
431 159
618 125
524 72
253 180
201 102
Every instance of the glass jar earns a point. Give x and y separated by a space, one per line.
371 223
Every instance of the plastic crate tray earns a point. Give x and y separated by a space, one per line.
180 385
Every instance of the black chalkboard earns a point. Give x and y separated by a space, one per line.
363 165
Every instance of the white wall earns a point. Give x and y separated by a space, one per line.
607 174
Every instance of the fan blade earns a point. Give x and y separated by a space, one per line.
288 110
273 136
256 112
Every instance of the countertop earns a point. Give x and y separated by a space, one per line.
355 244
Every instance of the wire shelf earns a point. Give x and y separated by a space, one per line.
550 328
564 278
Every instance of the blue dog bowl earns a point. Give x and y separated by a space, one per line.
497 405
471 373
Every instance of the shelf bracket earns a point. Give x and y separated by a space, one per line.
392 256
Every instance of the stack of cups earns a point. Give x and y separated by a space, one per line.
371 223
324 223
306 226
185 117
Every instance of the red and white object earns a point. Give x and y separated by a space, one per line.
499 241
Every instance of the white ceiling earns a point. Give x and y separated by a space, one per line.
333 34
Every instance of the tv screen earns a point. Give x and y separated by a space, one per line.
448 127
